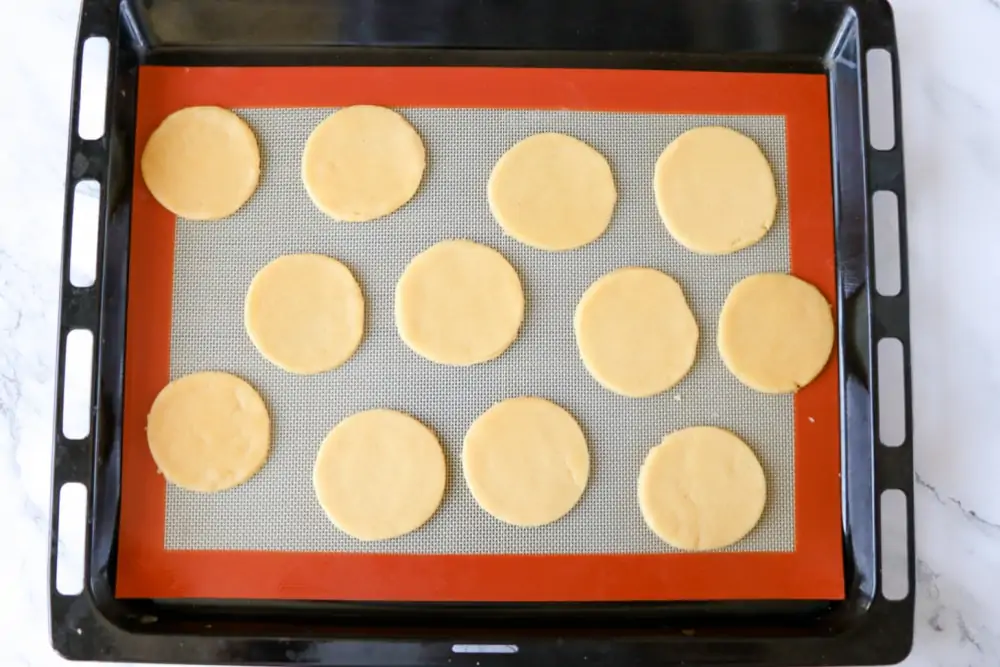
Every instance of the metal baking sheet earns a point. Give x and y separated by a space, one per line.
277 510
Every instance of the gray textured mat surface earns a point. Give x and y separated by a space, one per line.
277 510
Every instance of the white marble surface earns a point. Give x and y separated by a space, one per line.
950 54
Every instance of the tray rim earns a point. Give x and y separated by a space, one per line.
132 635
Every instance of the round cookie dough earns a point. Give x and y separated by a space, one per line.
552 192
363 162
526 461
379 474
459 303
701 488
201 163
715 190
208 431
776 332
305 313
635 332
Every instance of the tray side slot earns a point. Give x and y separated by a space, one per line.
79 317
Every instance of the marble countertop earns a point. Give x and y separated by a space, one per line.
950 56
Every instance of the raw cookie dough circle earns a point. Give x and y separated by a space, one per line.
305 313
201 163
553 192
363 162
701 488
635 331
715 190
775 332
208 431
459 303
379 474
526 461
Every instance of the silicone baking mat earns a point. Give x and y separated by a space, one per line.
197 293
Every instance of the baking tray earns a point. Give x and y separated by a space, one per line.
824 38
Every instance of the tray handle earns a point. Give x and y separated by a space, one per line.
79 309
889 313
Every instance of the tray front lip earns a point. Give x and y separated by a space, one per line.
113 632
715 29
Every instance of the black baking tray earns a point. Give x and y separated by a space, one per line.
828 37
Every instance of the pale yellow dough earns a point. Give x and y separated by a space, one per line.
636 334
305 313
701 488
459 303
208 431
553 192
776 332
363 162
526 461
379 474
201 163
715 190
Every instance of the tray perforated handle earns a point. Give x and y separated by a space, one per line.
888 301
80 307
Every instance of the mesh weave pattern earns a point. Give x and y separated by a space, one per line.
277 510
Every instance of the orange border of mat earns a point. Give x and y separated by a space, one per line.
813 571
